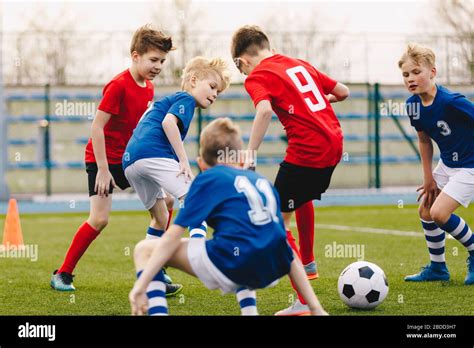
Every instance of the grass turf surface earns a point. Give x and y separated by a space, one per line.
105 274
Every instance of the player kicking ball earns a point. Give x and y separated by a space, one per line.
447 118
249 249
300 95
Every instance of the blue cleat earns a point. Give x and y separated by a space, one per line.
62 281
430 273
470 271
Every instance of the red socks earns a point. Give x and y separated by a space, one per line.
81 241
170 212
292 242
305 223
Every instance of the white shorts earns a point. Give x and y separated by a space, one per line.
205 270
457 183
150 176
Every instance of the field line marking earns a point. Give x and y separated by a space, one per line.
370 230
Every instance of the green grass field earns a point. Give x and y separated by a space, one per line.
105 274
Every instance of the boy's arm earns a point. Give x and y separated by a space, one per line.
104 178
299 278
170 126
429 189
165 248
260 125
339 93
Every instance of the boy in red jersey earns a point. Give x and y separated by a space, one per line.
300 95
125 99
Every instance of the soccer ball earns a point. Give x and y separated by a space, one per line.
362 285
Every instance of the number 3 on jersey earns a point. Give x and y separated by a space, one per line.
258 213
310 86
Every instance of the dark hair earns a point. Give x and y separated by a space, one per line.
146 38
248 39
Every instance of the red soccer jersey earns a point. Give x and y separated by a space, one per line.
297 92
127 102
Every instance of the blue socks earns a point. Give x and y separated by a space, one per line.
156 293
152 233
458 228
247 301
199 231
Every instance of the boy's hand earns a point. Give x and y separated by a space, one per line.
249 162
138 301
249 166
103 181
185 169
429 190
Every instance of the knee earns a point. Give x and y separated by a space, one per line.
424 213
99 223
440 216
142 249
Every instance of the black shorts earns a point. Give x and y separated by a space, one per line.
297 185
117 173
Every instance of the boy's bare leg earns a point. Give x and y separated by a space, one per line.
159 215
301 282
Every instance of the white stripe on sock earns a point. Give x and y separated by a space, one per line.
436 245
458 229
250 310
156 285
466 236
438 258
150 236
197 231
157 302
434 233
246 294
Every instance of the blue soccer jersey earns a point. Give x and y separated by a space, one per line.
449 121
149 139
249 243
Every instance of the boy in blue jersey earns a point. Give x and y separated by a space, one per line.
447 118
155 160
248 249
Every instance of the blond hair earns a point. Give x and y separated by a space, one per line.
419 54
201 67
147 38
221 135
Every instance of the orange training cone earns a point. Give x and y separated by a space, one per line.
12 235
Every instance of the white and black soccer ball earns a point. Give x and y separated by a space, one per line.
362 285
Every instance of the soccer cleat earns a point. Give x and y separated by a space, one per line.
167 279
173 289
429 274
62 281
296 309
311 270
470 271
